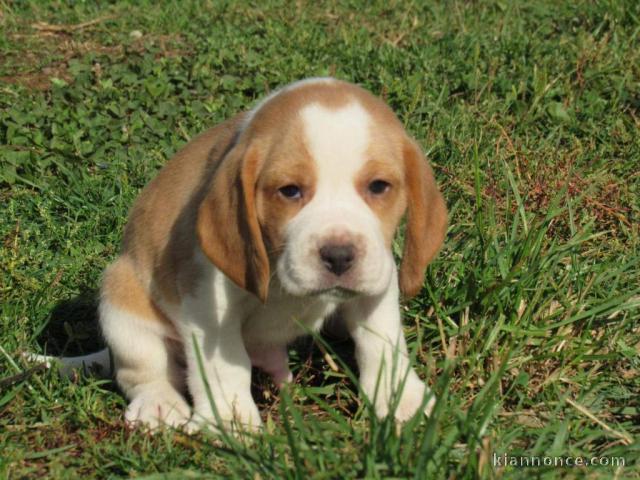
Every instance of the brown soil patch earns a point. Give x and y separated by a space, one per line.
46 50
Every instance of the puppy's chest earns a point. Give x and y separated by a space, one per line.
283 320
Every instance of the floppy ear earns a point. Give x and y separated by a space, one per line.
426 220
227 224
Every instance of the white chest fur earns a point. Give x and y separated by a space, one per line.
284 318
279 321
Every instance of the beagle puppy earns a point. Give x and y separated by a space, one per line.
253 234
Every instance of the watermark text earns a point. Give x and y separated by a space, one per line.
524 461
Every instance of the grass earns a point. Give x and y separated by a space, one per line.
527 326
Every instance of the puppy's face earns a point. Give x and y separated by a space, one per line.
329 198
315 187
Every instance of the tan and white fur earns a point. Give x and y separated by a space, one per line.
257 231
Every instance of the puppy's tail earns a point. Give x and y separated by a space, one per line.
97 364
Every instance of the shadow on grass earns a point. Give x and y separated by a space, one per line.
73 327
310 368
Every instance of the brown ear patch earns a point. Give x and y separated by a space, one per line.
227 225
426 220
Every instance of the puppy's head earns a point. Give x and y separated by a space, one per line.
314 189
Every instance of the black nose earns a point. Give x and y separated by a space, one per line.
338 258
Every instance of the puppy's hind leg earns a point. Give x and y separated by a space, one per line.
137 332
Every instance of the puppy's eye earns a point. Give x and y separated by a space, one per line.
378 187
293 192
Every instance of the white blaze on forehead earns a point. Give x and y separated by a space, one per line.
337 139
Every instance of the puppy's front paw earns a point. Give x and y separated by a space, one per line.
413 396
157 405
242 417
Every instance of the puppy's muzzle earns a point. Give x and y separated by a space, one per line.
338 258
